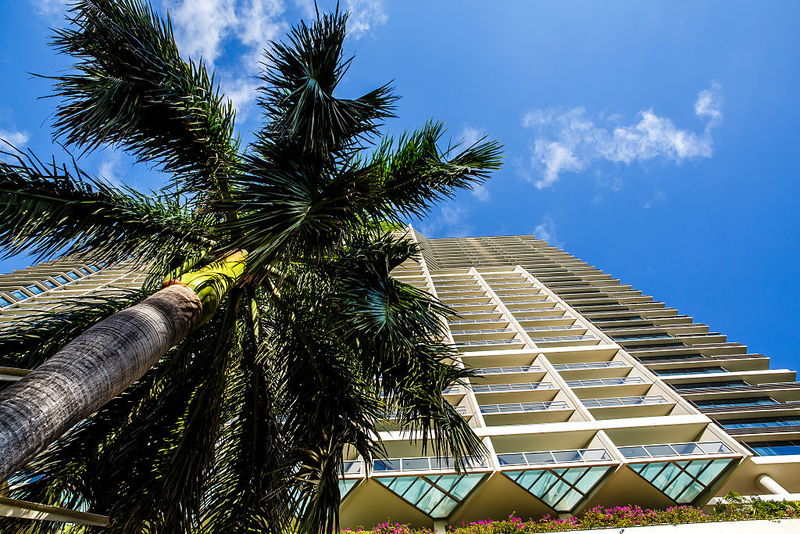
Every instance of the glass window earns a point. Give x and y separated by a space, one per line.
71 275
19 295
776 448
5 302
49 284
34 289
61 279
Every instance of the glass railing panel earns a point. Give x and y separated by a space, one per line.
504 388
624 401
675 449
551 457
599 382
507 370
521 407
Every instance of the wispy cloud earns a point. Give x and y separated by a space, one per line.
365 15
546 230
452 220
208 29
569 141
109 169
469 136
658 196
17 139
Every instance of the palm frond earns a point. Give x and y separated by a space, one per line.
47 209
299 100
417 174
132 90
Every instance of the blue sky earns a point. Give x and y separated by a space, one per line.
655 140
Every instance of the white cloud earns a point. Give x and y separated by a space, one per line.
658 196
51 9
451 221
109 169
569 141
206 28
546 230
365 15
17 139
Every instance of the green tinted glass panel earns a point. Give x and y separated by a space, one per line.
588 481
444 508
446 482
400 484
678 484
345 486
666 476
572 475
417 490
569 501
525 478
712 471
695 468
429 500
691 493
554 494
540 487
649 471
465 485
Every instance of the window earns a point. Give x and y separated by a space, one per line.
49 284
71 275
61 280
645 359
691 371
5 302
775 448
34 289
746 401
19 295
760 422
701 385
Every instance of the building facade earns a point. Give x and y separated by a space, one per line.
587 392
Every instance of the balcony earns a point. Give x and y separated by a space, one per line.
554 457
675 449
424 463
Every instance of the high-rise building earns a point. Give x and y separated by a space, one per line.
587 392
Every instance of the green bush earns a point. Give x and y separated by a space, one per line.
733 507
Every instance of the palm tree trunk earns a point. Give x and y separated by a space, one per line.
91 370
100 363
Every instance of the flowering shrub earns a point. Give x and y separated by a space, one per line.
389 528
732 508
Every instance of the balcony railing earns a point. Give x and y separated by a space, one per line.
553 339
505 388
475 321
508 370
624 401
675 449
588 365
552 328
523 407
353 467
600 382
554 457
483 331
487 342
424 463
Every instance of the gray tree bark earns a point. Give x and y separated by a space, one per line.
90 371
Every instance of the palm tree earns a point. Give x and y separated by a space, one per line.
224 402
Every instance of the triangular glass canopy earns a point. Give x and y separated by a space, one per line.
438 495
682 481
561 489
